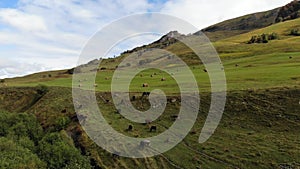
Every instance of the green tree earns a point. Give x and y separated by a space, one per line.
57 153
61 123
14 156
264 38
295 32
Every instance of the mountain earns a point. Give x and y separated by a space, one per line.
289 11
253 21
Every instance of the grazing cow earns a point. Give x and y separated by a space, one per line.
107 101
153 128
130 128
174 117
82 118
116 154
236 65
79 106
64 110
163 79
145 94
291 57
145 85
133 98
173 100
148 121
193 132
204 70
145 143
151 75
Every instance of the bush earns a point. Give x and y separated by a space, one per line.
273 36
14 156
263 38
2 81
62 123
58 154
295 32
32 148
42 89
16 126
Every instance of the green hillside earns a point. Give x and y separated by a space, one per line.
249 134
247 66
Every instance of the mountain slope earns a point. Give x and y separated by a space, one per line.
253 21
241 25
286 43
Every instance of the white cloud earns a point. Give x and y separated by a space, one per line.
22 21
203 13
10 67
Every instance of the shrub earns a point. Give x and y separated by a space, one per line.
273 36
58 154
295 32
14 156
2 81
263 38
62 123
42 89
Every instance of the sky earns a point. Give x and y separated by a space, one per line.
40 35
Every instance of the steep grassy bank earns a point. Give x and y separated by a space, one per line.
258 129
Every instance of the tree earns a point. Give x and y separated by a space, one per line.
14 156
295 32
264 38
57 153
61 123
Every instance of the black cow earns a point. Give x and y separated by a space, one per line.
153 128
133 98
145 94
130 128
116 154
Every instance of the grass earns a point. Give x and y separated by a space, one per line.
242 73
258 129
260 66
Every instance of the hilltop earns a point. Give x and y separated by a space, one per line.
253 21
